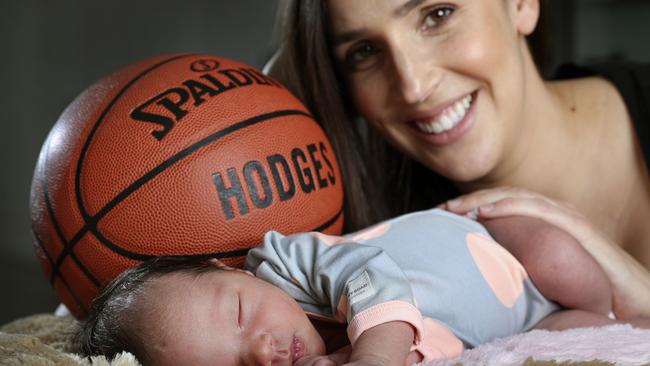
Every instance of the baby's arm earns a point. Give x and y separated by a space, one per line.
385 344
342 356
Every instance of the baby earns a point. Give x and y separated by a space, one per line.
421 286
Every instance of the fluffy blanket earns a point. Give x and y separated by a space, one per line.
44 340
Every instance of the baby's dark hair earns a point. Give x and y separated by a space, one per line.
112 327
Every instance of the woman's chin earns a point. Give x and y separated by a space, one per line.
463 170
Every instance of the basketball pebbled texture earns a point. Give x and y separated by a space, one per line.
177 155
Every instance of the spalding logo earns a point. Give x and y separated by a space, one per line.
174 101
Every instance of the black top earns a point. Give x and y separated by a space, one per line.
633 83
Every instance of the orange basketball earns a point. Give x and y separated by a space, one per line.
178 155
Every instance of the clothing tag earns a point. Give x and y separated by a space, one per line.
360 288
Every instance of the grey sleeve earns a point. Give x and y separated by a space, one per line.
319 275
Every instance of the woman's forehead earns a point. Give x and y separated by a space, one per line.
346 11
345 15
348 18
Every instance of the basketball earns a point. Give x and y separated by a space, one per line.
177 155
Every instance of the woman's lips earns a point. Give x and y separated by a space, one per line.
447 118
450 123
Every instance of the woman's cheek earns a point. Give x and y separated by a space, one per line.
475 56
366 99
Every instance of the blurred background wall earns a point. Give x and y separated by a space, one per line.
52 50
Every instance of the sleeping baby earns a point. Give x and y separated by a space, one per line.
422 286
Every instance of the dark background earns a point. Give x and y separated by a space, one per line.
52 50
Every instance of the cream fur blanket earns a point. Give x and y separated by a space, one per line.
45 340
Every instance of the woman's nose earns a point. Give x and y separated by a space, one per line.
416 73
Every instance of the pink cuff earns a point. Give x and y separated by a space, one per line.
384 313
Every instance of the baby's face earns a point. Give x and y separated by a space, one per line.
226 318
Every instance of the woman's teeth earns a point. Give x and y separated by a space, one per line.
449 117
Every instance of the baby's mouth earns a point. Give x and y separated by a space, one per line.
297 349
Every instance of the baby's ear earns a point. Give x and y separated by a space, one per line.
222 266
219 264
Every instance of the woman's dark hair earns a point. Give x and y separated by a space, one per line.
540 42
112 325
379 181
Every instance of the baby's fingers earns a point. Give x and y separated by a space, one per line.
315 361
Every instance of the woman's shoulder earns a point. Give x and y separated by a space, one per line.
631 80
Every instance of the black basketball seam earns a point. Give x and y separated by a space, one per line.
93 220
59 232
170 162
82 210
330 222
100 119
242 252
61 277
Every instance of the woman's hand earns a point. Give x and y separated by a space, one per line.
630 280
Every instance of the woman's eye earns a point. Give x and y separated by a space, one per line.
360 57
436 17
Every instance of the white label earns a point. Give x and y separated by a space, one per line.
360 288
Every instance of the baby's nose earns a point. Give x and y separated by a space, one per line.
265 351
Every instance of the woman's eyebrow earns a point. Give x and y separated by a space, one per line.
338 39
401 11
405 8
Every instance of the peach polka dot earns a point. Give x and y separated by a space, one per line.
329 239
503 273
371 232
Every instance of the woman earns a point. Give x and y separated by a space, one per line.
457 106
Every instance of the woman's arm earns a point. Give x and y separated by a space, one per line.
630 280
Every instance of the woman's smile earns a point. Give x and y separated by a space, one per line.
447 122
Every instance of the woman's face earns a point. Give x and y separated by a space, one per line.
443 81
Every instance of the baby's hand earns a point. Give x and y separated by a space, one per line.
412 358
318 361
314 361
